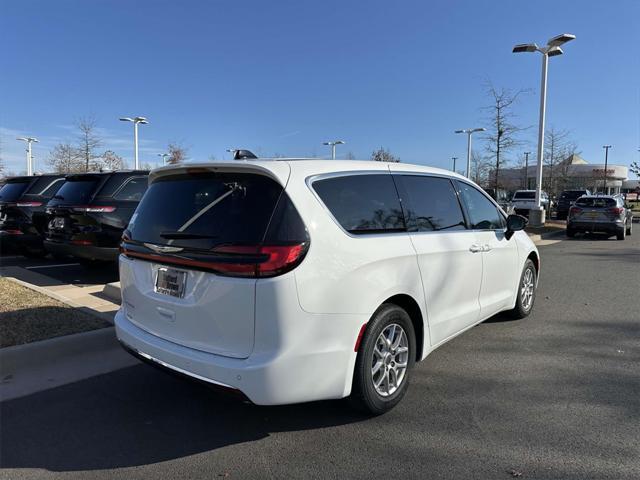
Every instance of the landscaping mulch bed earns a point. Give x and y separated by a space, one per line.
28 316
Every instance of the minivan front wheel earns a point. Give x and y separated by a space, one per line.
385 358
526 291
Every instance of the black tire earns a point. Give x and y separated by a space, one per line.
520 310
621 234
571 232
364 395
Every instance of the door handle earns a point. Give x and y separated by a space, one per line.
475 248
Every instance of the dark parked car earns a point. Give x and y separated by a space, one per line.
22 212
600 213
87 216
568 198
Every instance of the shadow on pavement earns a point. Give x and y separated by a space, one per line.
138 416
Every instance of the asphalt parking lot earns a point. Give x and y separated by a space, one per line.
556 395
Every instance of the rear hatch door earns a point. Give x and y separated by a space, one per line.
10 193
594 210
66 211
184 276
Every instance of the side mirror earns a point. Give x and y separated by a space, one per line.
514 224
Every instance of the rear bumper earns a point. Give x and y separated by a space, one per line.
88 252
20 241
295 373
606 227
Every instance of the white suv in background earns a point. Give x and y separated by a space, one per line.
298 280
525 200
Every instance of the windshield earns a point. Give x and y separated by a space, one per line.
45 186
572 195
524 196
12 191
205 210
76 191
596 202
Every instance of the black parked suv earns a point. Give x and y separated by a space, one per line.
22 212
87 216
568 198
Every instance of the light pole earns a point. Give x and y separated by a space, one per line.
526 170
135 121
552 49
29 141
333 147
454 162
469 132
606 161
164 157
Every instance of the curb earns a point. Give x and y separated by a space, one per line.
34 367
112 291
44 291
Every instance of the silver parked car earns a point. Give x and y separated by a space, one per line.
600 213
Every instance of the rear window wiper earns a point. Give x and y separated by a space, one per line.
185 235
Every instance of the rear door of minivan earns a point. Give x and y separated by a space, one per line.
188 271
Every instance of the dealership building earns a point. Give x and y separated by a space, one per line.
572 173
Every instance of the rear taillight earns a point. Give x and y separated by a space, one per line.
93 209
616 210
82 242
12 232
273 259
234 260
29 204
575 210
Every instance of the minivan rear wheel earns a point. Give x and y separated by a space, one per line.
385 358
526 291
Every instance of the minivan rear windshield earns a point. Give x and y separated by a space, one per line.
206 210
77 190
12 191
525 195
596 202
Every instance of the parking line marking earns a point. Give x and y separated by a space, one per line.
52 266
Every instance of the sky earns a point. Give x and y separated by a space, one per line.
281 77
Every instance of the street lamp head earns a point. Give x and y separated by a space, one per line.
460 131
606 146
481 129
24 139
126 119
140 120
339 142
525 47
554 52
560 40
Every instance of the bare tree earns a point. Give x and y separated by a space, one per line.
350 156
65 158
502 133
111 161
558 147
88 142
382 155
177 153
480 167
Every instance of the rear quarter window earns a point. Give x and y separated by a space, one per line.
132 190
362 204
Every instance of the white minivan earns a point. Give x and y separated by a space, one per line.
297 280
